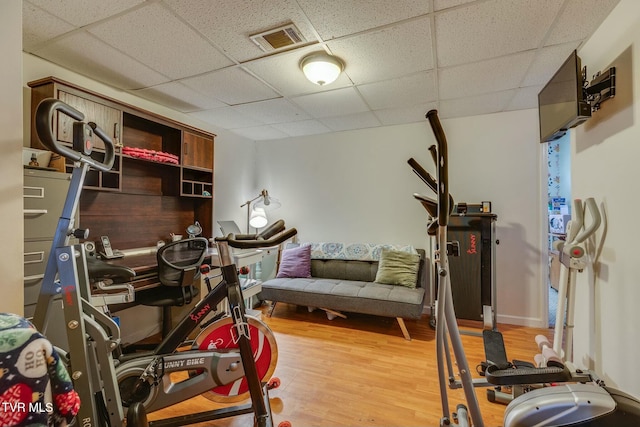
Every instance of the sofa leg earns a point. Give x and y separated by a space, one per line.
332 314
405 332
273 307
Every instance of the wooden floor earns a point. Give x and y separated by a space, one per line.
361 372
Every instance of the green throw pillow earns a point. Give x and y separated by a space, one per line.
398 268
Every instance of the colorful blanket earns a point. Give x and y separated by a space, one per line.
35 387
354 251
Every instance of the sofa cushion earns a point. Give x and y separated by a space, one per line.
340 269
398 268
295 262
347 295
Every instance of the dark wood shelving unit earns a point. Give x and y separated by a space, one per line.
140 201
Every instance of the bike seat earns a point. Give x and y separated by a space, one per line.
99 270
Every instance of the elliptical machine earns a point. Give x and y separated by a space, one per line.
586 401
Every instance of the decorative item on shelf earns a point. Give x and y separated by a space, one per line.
321 68
194 230
35 158
151 155
264 202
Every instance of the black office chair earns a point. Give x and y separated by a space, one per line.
179 274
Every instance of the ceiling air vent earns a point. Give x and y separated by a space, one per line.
278 38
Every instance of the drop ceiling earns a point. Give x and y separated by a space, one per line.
403 57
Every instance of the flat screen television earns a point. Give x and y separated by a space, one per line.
562 102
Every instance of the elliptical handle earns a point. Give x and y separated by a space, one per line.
44 119
427 178
596 219
423 174
442 166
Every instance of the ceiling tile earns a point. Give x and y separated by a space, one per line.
525 97
84 54
474 105
273 111
39 26
579 19
400 92
331 103
336 18
179 97
230 23
446 4
303 127
232 86
159 40
396 116
226 118
486 76
259 133
492 28
283 72
546 62
351 121
195 56
83 12
392 52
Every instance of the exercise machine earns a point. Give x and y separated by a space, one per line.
446 324
232 356
556 356
580 400
574 259
472 229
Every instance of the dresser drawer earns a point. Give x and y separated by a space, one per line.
44 195
36 255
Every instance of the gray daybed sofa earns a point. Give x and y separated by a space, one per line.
340 284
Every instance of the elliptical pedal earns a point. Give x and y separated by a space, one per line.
494 349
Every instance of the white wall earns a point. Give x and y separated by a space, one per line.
357 187
234 181
605 157
11 205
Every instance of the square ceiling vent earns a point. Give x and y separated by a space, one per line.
278 38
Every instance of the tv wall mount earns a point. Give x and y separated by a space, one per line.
601 87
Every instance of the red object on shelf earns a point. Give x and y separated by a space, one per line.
151 155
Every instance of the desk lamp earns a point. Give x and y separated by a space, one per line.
256 215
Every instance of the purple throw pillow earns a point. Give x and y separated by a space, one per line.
295 262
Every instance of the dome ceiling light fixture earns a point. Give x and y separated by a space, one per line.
321 68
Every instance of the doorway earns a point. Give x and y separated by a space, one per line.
558 209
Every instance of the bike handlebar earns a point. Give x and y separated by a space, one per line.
44 119
442 166
273 235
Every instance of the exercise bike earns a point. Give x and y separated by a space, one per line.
231 358
585 401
